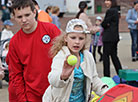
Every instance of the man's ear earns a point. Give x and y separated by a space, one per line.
13 15
35 14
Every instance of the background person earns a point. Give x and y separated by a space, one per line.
97 39
132 20
110 37
42 15
49 10
6 32
82 15
28 56
54 16
5 13
73 83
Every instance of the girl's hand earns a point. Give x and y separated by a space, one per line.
67 70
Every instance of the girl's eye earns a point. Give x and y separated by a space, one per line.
73 37
81 38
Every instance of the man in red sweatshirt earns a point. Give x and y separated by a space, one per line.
28 56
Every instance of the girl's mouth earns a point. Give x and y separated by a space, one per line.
76 47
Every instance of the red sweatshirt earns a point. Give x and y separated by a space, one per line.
29 63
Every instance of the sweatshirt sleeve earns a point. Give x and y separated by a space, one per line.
54 75
16 68
97 83
111 14
129 19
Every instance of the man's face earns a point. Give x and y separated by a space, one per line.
136 7
25 17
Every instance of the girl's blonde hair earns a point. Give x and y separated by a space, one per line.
59 42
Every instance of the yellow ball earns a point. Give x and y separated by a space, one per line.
72 60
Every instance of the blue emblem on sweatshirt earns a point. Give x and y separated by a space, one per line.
46 39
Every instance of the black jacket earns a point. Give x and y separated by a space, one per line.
110 25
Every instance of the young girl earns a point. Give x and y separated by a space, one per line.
73 83
54 16
97 38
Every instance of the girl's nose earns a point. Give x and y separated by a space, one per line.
77 40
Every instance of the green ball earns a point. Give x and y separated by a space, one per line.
72 60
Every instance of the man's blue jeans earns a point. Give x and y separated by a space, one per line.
134 45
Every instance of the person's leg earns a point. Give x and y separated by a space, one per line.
100 53
94 53
137 46
106 61
115 58
133 34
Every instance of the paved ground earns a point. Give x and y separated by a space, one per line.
123 52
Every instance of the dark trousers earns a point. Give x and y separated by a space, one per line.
99 51
110 50
134 44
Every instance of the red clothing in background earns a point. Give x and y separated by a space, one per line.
29 63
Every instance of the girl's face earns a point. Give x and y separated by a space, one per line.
108 3
75 41
86 9
98 22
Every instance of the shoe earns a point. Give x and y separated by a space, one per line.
134 59
0 84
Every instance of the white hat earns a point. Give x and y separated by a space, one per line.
99 18
74 22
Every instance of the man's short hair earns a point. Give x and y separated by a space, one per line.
20 4
35 2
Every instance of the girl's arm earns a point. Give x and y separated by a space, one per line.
61 72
